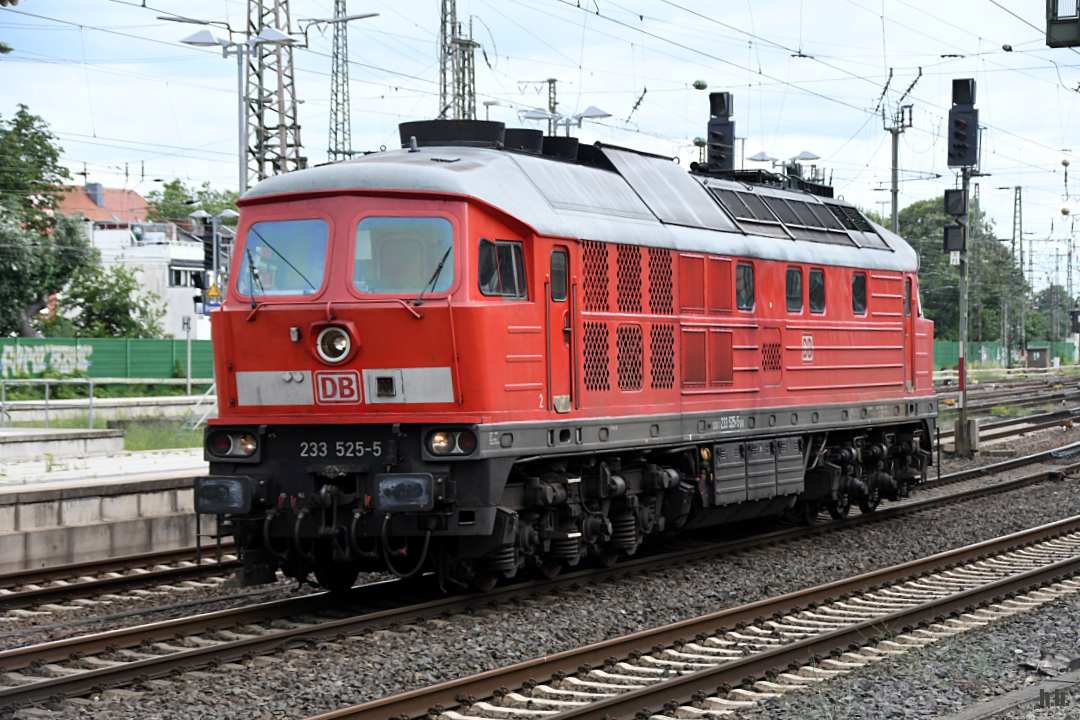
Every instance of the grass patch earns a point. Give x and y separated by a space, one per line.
160 436
138 434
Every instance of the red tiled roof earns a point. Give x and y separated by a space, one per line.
120 205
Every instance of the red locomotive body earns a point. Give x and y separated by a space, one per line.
477 359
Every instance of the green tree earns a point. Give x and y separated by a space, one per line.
995 281
30 171
39 249
176 201
1050 321
108 303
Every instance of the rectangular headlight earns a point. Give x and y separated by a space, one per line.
220 495
404 492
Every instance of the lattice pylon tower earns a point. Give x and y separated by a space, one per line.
464 101
340 143
273 125
448 57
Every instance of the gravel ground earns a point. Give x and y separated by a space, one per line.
946 677
301 682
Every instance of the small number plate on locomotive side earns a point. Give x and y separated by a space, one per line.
339 449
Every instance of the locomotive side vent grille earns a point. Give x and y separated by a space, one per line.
628 355
770 356
662 356
628 278
660 290
596 357
596 275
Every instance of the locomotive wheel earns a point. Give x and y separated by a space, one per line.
551 569
869 503
484 581
337 577
806 512
607 558
840 507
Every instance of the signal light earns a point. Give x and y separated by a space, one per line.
954 238
963 137
955 203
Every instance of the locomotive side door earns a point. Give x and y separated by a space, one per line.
909 335
560 331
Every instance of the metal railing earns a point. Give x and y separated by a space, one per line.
6 406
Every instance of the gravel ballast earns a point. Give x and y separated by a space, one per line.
950 675
302 682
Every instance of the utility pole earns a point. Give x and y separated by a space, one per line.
273 125
552 104
963 153
448 57
340 146
901 121
963 437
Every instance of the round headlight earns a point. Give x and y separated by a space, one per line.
245 444
333 344
441 443
219 444
466 442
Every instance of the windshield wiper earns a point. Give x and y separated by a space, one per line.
434 277
253 278
287 261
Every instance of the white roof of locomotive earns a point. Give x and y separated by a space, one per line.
570 200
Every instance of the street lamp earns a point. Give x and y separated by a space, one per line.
488 104
229 47
590 113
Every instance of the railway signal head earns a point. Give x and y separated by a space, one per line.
955 203
721 132
963 137
954 238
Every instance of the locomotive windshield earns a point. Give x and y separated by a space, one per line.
404 255
283 257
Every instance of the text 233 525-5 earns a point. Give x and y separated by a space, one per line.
339 449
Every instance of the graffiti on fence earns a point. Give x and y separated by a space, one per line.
24 360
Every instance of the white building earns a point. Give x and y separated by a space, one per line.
167 260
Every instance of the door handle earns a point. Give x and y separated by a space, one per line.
567 329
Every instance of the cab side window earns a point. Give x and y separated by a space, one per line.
817 291
794 290
744 286
858 293
501 270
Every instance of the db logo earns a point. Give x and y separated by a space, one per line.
337 387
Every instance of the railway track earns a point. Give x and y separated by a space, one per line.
717 664
1011 427
61 583
88 663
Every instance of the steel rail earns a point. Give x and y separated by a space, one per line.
392 591
1030 423
26 588
682 689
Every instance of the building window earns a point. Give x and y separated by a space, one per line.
502 269
858 293
817 291
744 286
794 290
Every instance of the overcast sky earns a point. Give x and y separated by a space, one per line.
134 105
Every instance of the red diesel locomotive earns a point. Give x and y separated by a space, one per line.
492 350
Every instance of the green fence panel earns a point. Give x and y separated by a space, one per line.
992 354
104 357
